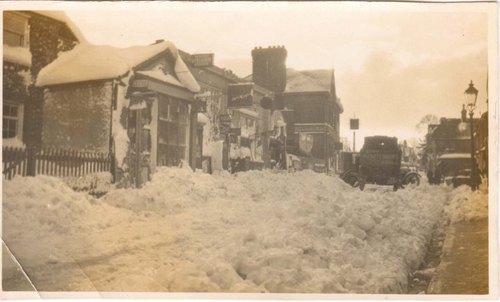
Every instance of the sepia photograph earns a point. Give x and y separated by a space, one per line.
245 150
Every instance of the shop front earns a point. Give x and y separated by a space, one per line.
315 145
250 127
162 127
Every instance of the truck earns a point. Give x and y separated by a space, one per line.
378 162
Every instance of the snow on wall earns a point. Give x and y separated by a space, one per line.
14 142
98 62
18 55
120 136
239 152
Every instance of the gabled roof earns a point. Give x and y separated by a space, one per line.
100 62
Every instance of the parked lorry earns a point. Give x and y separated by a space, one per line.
378 162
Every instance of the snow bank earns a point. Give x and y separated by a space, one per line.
301 232
46 204
466 205
96 183
18 55
256 231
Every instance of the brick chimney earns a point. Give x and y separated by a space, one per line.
269 67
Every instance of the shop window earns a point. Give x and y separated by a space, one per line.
11 121
15 30
172 132
245 142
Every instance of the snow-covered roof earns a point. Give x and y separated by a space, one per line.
298 82
454 156
89 62
61 16
18 55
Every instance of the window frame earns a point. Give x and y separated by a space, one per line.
18 118
25 35
166 125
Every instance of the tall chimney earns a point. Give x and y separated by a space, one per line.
269 67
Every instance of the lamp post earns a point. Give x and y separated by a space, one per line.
470 100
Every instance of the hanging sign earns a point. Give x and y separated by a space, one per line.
305 143
239 95
354 124
337 146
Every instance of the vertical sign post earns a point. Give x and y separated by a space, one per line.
354 126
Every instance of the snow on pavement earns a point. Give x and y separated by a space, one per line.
256 231
465 205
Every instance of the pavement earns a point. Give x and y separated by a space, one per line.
464 262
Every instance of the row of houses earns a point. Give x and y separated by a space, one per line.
450 141
155 105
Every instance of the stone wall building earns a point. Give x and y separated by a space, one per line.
312 114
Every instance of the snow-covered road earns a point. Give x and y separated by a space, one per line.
192 232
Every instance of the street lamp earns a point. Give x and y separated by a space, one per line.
470 101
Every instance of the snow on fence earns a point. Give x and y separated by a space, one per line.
53 162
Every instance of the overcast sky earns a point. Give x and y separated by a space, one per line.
392 65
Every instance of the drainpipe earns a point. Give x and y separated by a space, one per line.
193 135
114 101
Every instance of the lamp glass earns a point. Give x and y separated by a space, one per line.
471 97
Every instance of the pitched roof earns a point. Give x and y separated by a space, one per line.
99 62
296 81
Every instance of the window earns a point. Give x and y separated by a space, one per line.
15 30
172 131
10 124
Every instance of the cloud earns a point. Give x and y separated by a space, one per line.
390 97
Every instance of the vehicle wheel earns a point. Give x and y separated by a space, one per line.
352 180
412 179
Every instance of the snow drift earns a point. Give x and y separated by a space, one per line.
251 232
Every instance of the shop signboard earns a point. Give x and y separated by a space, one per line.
235 131
203 59
305 143
354 124
310 128
239 95
140 84
224 123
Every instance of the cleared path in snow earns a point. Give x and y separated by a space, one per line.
252 232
